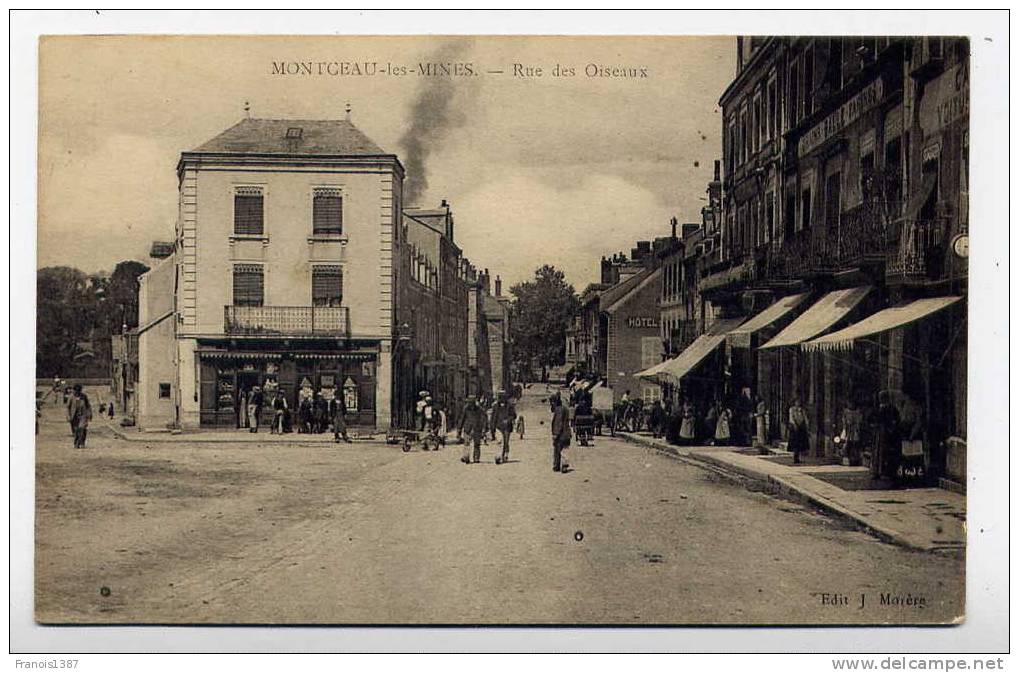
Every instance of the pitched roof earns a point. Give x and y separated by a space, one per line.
641 280
329 137
622 288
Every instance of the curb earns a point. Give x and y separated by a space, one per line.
782 487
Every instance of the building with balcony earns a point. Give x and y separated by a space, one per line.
283 276
844 195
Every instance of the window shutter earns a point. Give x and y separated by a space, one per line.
249 288
248 218
327 285
327 212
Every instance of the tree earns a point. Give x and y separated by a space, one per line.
122 295
540 315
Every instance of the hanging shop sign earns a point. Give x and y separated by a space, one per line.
843 116
945 100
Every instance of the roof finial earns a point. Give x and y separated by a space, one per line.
348 111
247 109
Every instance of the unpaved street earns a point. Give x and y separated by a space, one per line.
263 533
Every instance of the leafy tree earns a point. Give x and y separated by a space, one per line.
539 318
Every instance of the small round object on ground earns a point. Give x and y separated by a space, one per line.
104 591
579 536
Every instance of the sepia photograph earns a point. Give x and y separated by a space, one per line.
502 330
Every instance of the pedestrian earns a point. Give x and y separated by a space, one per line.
504 415
520 426
80 414
304 415
760 425
419 409
239 405
711 420
687 424
471 430
279 406
799 430
109 409
560 434
723 426
319 414
656 419
850 437
338 414
255 402
884 462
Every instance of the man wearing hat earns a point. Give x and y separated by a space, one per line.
472 420
504 415
419 409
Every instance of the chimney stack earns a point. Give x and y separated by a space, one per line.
674 222
498 286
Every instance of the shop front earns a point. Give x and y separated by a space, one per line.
226 375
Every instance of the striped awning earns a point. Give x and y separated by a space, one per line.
239 355
652 371
882 321
675 369
820 317
741 336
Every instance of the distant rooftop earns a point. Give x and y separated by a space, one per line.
327 137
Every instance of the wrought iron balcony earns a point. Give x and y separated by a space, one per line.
322 321
916 249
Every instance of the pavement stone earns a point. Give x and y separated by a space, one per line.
926 519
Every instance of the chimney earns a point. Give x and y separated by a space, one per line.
674 222
498 286
486 282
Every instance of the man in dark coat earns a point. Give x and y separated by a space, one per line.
560 433
255 403
504 415
472 422
337 412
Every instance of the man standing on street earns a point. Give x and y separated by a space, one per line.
472 421
560 433
504 415
79 414
338 415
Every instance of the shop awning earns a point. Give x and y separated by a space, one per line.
651 371
741 336
681 365
239 355
820 317
882 321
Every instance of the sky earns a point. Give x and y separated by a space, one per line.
538 169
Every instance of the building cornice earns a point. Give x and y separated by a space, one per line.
197 159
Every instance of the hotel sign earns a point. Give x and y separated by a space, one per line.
846 114
945 100
641 322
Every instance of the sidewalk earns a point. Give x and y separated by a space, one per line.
926 519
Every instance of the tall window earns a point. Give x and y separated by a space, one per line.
249 286
248 211
327 215
833 201
892 173
790 213
805 205
867 186
769 213
794 96
326 285
772 108
808 82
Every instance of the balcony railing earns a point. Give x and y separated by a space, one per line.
287 320
916 249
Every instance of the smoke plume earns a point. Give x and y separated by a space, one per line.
433 115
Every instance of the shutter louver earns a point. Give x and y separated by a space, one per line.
249 287
327 286
327 209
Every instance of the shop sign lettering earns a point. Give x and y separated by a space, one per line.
636 322
846 114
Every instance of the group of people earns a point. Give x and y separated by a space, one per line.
315 413
478 424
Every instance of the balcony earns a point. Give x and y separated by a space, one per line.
323 321
916 250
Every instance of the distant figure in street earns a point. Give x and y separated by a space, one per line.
760 425
338 414
109 409
520 426
560 434
687 424
656 419
472 429
279 406
711 420
852 427
723 429
504 415
79 415
319 414
884 463
419 409
304 415
255 402
239 404
799 430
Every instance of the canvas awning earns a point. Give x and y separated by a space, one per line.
651 371
741 336
681 365
820 317
882 321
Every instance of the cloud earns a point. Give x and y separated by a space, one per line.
515 221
